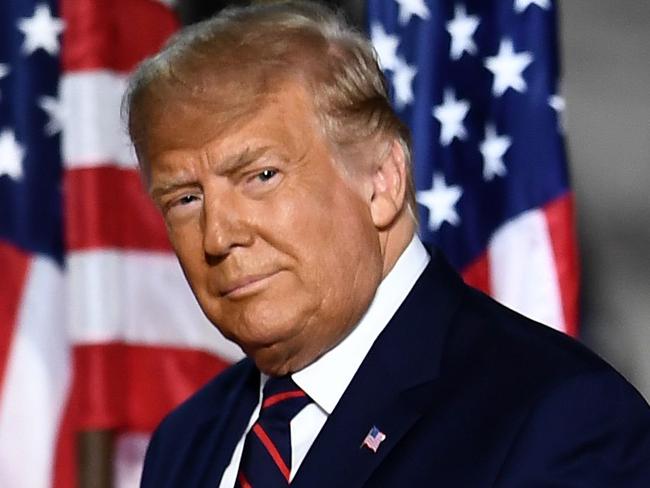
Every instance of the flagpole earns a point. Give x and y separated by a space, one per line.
95 458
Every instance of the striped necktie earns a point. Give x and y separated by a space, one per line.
266 460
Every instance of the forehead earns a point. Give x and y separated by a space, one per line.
283 117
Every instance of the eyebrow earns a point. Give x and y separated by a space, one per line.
238 161
228 166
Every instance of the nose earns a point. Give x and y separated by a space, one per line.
225 225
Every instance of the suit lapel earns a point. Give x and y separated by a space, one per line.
392 389
213 441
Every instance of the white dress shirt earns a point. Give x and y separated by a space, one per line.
327 378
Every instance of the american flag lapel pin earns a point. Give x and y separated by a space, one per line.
373 439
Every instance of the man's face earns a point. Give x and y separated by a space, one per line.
276 241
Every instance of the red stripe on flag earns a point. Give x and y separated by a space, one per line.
107 207
113 34
14 264
560 216
129 387
272 450
477 274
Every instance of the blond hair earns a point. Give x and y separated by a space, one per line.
249 51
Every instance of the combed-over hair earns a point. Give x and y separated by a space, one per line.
250 51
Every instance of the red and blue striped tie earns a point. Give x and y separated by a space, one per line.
266 460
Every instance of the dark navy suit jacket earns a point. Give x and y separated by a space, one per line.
468 394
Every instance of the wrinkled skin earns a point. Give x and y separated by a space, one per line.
282 248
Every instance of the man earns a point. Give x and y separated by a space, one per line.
266 138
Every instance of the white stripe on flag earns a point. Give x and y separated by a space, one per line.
522 269
139 298
36 381
130 449
93 133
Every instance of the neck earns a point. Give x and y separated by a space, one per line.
395 239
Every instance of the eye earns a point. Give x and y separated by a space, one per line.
186 199
182 201
262 181
266 175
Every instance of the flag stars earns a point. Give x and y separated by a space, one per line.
521 5
11 155
409 8
403 83
493 148
41 31
451 114
4 71
385 45
55 111
461 29
558 104
441 201
508 67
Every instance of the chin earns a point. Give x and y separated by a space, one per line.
274 360
272 346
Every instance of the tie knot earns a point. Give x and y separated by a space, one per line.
266 460
282 393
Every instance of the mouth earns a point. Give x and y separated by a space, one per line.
247 285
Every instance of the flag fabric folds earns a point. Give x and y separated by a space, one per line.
35 371
478 83
99 328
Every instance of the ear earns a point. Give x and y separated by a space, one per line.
389 186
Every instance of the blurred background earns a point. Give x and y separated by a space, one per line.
103 327
606 61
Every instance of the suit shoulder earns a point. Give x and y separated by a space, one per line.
179 429
515 348
205 403
596 421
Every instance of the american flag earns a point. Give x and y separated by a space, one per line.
374 438
99 328
35 368
477 81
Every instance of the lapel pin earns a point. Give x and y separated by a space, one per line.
373 439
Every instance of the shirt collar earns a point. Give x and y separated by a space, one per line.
327 378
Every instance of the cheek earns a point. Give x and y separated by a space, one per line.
187 244
338 247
